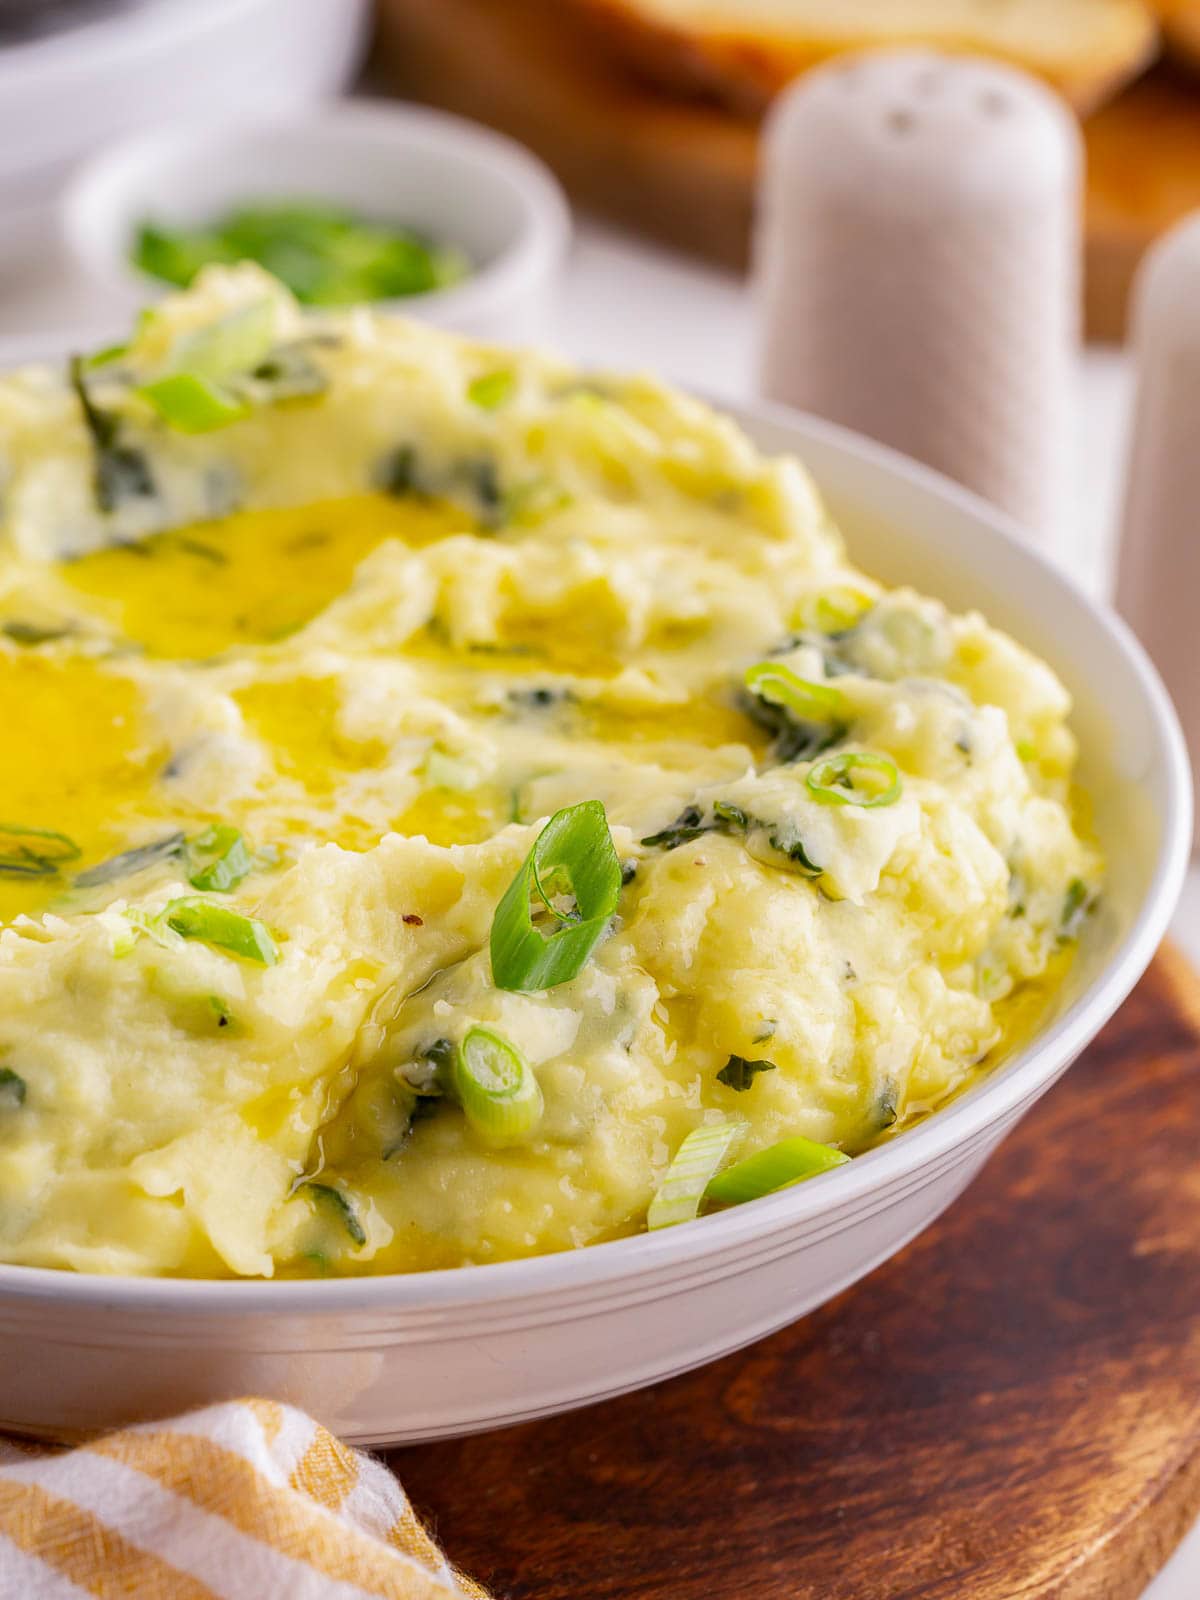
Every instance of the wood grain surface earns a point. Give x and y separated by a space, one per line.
683 170
1009 1410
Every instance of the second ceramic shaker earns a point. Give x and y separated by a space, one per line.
917 265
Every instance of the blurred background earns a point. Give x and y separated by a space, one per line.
650 113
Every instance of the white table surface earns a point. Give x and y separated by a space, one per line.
623 304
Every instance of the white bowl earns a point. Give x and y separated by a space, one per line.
459 183
63 95
440 1353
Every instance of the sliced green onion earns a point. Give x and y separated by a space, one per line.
228 346
219 859
691 1174
833 610
193 918
832 780
778 1167
780 686
193 405
105 356
12 1089
325 256
34 852
492 390
575 843
341 1207
496 1088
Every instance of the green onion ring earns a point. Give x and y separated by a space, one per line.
780 686
577 842
496 1088
829 782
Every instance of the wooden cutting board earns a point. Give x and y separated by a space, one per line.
684 171
1009 1410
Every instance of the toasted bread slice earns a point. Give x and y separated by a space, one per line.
745 51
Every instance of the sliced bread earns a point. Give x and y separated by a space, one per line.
744 51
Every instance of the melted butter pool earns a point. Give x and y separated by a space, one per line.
253 578
169 647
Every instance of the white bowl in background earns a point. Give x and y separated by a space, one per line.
66 94
435 1354
458 183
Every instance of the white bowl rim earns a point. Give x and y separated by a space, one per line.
536 254
569 1272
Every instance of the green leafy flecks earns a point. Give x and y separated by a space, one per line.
739 1074
121 472
13 1089
129 862
340 1206
34 852
396 473
731 819
1077 903
688 825
31 634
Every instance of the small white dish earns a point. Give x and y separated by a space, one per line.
447 178
433 1354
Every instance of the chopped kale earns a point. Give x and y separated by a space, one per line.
628 873
131 861
727 818
34 633
440 1054
732 816
34 852
1077 902
397 472
12 1089
290 373
484 481
739 1074
886 1107
204 552
688 825
338 1203
794 850
540 697
791 738
121 472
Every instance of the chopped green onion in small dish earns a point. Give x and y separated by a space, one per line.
325 255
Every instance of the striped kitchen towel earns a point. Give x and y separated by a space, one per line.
244 1501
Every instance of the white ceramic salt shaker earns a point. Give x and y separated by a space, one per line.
1158 576
917 266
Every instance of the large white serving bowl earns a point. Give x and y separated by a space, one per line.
440 1353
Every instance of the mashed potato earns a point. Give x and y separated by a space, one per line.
306 628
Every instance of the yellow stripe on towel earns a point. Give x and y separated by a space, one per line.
207 1507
